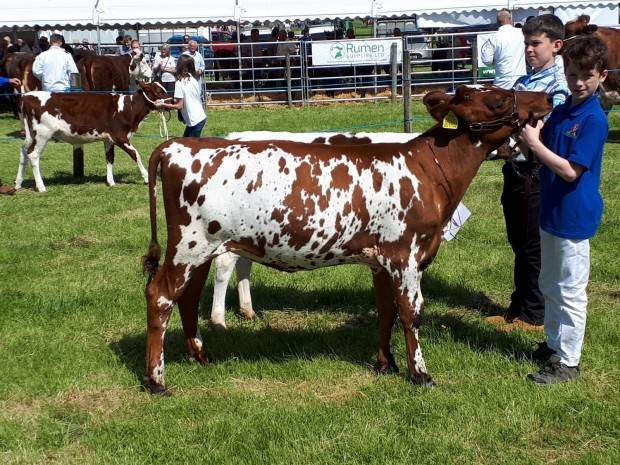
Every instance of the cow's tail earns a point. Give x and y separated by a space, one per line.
150 262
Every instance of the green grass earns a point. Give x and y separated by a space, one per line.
297 385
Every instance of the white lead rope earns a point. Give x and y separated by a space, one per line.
162 122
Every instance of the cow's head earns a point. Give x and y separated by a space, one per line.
579 26
152 92
490 114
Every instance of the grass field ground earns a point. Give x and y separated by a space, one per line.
296 386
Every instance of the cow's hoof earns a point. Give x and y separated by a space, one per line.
387 370
248 314
423 379
199 358
218 325
388 367
157 389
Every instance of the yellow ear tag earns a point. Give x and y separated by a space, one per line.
450 121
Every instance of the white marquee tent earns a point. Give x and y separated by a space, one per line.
111 14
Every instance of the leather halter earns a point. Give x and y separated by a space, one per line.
513 119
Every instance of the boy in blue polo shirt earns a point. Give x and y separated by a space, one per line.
571 207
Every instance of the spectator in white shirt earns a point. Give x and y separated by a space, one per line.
199 62
506 50
164 67
54 66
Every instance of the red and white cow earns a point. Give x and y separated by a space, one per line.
228 262
81 118
296 206
112 73
610 89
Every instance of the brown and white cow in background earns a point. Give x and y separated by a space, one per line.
610 89
228 262
296 206
112 73
82 118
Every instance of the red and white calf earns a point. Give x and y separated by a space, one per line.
295 206
81 118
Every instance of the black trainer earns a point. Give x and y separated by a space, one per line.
542 353
554 372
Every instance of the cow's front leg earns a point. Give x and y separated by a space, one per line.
406 289
188 308
109 158
243 267
133 153
224 267
386 308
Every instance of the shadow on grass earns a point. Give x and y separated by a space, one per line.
16 135
351 301
354 344
354 341
65 178
614 136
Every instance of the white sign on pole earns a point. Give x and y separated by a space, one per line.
355 52
484 71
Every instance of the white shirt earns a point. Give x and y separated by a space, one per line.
53 68
199 61
168 62
506 50
189 90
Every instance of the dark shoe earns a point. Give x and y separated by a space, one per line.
511 314
542 353
554 372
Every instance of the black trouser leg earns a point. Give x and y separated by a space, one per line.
520 201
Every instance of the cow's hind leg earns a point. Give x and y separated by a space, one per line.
133 153
188 308
33 153
386 308
244 266
409 301
159 302
109 158
23 162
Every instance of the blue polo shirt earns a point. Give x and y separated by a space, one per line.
573 210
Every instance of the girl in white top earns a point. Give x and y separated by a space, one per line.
187 96
164 67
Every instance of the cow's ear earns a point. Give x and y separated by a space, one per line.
437 104
591 28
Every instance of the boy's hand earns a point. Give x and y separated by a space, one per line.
530 135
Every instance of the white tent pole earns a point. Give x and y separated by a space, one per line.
98 28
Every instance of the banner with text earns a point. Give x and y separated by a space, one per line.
354 52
